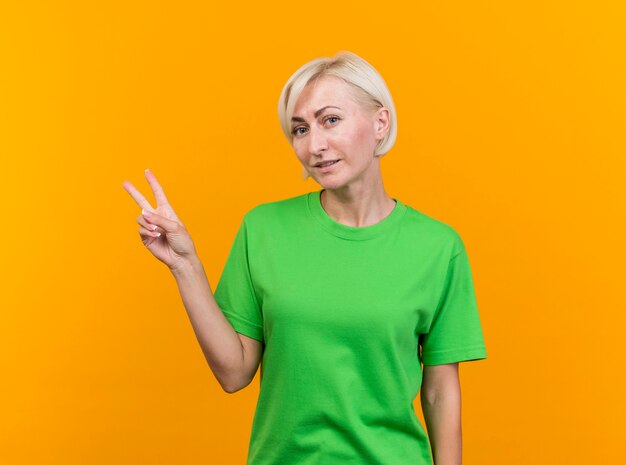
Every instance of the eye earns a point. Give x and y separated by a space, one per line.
330 117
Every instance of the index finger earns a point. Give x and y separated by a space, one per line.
139 198
159 194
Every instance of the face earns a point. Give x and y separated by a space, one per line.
329 124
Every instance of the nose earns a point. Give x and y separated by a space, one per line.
318 142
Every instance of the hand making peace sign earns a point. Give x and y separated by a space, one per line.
160 229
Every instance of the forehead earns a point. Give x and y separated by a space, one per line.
327 90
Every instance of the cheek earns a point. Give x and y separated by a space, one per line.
360 138
299 153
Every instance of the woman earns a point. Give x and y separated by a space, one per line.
352 300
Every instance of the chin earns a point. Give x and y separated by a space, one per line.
331 184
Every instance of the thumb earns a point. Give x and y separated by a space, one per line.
159 220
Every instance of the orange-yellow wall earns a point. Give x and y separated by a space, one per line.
511 129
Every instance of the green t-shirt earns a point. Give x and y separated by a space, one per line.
343 312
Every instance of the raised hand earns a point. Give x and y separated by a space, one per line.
159 228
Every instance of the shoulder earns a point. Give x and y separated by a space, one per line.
433 232
276 211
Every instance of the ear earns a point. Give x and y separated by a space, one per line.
382 122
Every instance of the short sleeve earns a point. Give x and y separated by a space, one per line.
235 294
455 334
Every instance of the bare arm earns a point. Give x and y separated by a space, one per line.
441 404
233 357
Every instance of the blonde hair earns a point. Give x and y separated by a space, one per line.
370 90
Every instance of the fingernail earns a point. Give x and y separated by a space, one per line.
146 170
145 213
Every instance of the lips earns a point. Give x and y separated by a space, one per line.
317 165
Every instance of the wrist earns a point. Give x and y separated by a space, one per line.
186 266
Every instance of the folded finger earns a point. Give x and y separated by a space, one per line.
149 226
163 222
143 232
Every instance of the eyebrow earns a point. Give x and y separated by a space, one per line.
298 119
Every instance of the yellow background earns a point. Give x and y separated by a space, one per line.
511 129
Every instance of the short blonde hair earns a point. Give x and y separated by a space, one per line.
370 90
